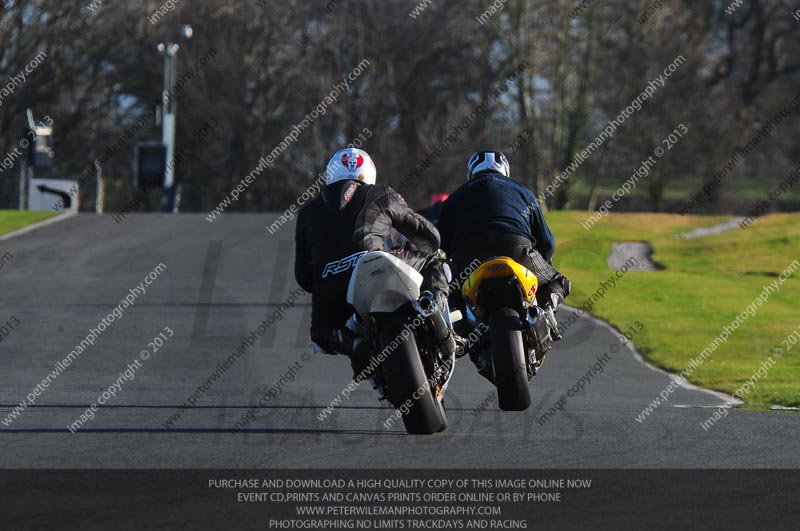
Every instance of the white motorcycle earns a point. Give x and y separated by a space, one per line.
409 367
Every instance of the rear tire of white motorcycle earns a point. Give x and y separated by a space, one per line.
405 375
508 360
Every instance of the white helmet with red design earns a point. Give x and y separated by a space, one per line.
350 164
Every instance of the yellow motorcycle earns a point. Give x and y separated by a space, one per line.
501 295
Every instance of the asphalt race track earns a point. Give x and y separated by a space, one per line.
221 280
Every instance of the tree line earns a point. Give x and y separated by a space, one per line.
435 86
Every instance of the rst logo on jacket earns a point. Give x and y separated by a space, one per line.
344 264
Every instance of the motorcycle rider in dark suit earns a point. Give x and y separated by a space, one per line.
350 216
493 215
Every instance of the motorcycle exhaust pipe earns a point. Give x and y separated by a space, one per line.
427 307
444 338
539 323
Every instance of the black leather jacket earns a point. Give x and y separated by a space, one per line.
347 219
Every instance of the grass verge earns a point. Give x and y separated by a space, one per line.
704 284
11 220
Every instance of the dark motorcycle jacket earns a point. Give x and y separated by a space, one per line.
347 219
492 202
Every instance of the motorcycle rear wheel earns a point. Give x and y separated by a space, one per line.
508 360
404 377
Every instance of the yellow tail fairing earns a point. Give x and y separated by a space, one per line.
500 267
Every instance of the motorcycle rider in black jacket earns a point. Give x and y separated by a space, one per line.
493 215
350 216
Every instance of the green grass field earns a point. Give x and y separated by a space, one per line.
704 284
11 220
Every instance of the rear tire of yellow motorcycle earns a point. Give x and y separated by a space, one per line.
508 360
405 376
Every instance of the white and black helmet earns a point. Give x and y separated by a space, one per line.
493 161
